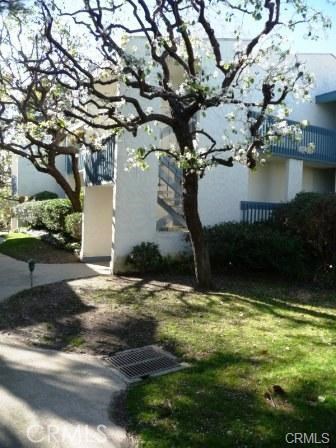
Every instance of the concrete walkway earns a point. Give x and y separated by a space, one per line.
50 399
14 274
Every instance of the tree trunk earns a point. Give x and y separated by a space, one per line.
73 195
199 245
75 200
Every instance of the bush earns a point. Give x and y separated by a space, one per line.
255 248
49 215
145 257
73 225
5 213
311 217
30 214
43 196
179 264
54 213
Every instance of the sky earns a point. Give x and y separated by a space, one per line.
299 43
327 42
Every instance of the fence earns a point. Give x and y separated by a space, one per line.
258 211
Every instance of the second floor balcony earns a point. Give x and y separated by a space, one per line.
97 168
323 139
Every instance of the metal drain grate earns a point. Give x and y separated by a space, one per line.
139 363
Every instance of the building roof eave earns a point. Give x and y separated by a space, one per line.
325 98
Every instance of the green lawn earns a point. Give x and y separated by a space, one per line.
24 247
240 341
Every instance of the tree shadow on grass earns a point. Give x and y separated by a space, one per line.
136 292
202 407
70 321
297 313
26 247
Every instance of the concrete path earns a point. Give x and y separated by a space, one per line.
50 399
14 274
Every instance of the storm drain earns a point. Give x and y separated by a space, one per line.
140 363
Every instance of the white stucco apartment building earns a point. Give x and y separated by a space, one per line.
123 208
27 181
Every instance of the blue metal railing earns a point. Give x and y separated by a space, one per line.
258 211
81 158
323 139
14 185
97 167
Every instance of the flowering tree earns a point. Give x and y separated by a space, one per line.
5 190
5 171
11 6
181 35
32 105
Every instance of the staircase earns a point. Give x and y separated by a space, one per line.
170 196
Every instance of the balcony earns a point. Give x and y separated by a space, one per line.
97 167
258 211
14 185
323 139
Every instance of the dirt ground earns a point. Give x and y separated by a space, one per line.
87 315
101 315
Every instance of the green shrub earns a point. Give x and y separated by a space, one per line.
30 214
5 212
73 225
43 196
54 212
145 257
49 215
179 264
255 248
311 217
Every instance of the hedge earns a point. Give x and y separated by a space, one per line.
73 225
250 248
145 257
299 243
49 215
311 217
43 196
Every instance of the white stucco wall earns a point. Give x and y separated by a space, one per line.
134 204
294 170
220 194
30 181
323 66
135 209
222 188
173 242
97 222
15 165
268 183
318 180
